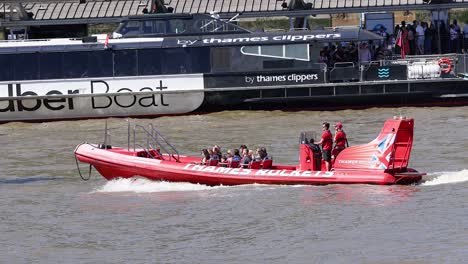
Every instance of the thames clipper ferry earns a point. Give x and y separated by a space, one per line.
172 64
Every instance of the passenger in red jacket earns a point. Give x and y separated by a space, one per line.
327 144
340 139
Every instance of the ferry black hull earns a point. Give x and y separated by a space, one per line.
454 93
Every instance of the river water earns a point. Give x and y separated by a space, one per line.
49 215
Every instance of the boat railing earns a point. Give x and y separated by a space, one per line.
299 29
321 65
232 19
274 30
107 137
154 140
306 136
217 23
462 66
172 150
411 67
342 27
429 56
147 151
147 138
344 72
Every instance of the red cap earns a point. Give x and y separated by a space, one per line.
339 125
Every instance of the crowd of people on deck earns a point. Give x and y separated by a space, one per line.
421 38
416 38
242 156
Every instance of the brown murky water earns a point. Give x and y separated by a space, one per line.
50 215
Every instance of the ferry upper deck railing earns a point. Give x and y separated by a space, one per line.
462 66
232 19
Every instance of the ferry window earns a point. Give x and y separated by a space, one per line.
149 61
154 27
75 64
251 50
6 63
273 50
147 27
178 26
159 27
292 51
221 59
26 66
298 51
125 63
176 61
131 28
100 63
50 65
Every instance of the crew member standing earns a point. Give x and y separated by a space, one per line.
340 139
327 144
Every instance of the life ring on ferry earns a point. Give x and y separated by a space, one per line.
446 65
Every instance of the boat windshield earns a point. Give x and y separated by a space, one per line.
150 25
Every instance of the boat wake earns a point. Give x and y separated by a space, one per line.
437 178
142 185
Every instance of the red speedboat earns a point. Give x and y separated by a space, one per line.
381 161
